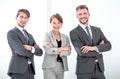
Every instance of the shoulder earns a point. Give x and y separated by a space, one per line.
74 29
47 35
11 31
63 35
95 27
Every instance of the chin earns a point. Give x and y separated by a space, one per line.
83 22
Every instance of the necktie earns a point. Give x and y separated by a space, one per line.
88 33
26 34
27 38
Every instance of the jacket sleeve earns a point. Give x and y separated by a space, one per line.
78 44
106 46
38 50
67 43
16 45
47 48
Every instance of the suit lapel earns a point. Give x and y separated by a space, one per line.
53 40
83 33
93 34
62 39
20 35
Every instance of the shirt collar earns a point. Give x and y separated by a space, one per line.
83 26
20 28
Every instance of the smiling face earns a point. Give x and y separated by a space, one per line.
56 24
83 16
22 19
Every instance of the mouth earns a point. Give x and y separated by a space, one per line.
83 19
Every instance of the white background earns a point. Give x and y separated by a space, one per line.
104 14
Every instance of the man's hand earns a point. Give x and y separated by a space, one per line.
86 49
28 47
36 46
101 42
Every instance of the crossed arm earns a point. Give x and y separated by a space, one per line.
61 49
34 49
86 49
30 48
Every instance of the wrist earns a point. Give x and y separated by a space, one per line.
95 48
32 49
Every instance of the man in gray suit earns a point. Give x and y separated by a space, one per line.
23 47
89 43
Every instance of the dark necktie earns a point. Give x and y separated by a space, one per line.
88 33
27 38
26 34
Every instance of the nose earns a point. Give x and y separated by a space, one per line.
82 15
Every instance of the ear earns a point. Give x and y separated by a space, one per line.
89 14
76 15
61 23
16 18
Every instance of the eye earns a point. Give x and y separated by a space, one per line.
54 22
79 14
59 22
26 17
85 13
21 17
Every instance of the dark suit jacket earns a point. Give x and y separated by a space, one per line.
20 56
79 38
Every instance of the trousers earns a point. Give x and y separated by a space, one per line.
27 75
54 73
97 74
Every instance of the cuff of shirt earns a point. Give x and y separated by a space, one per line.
98 51
33 50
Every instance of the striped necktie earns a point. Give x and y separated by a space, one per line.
27 38
26 34
88 33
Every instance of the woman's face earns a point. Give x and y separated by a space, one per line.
56 24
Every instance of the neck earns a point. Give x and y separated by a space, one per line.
57 35
56 32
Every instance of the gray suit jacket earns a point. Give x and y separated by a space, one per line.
19 59
51 52
79 38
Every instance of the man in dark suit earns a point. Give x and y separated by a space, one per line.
89 43
23 47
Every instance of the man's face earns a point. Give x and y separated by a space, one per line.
22 19
83 16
